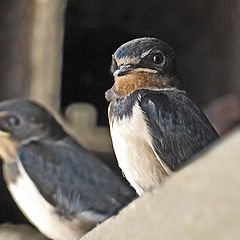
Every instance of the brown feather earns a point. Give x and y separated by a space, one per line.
8 149
134 80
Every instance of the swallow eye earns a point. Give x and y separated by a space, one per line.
13 121
158 58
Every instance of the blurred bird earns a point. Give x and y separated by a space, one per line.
155 127
60 187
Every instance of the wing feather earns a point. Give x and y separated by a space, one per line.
179 129
72 179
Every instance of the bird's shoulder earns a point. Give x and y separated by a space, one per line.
171 106
123 107
178 127
63 155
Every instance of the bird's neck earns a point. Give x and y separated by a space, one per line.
129 83
8 149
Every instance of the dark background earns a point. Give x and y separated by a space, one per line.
204 34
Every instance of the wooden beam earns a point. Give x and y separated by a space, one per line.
45 51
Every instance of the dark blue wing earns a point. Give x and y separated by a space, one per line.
179 129
72 179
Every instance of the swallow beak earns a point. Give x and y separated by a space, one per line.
123 70
4 134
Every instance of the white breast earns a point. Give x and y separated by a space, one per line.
134 152
39 211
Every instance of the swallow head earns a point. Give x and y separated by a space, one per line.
143 63
22 119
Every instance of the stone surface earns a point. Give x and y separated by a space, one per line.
19 232
199 202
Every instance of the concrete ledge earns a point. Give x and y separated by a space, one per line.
10 231
202 201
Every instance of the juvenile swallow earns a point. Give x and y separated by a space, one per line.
60 187
155 127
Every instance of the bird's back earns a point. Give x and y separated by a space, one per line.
79 177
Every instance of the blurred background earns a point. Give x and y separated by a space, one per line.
59 53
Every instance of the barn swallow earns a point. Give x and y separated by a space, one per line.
155 127
60 187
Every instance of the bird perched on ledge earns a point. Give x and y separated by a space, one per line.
155 127
60 187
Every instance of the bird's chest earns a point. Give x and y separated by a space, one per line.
34 206
133 149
